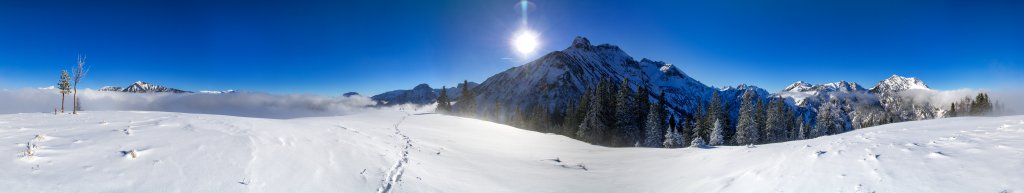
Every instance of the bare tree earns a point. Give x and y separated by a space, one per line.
79 72
64 86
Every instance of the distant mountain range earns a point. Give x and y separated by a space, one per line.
143 87
421 94
862 107
558 79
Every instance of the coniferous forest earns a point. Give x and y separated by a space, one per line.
619 115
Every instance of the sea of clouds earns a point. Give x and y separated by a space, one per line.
246 104
1012 100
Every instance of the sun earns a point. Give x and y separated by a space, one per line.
525 42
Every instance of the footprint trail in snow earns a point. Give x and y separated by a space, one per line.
395 173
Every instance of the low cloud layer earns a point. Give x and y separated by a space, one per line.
1012 101
939 98
237 104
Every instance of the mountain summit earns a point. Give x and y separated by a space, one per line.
143 87
896 83
580 42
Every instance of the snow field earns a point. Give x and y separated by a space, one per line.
399 151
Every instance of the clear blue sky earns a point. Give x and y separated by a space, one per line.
331 47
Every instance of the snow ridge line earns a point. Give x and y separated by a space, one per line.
395 173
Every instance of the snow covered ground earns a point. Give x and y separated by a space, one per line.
402 151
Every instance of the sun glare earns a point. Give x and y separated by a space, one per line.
525 42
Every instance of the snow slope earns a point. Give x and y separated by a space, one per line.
401 151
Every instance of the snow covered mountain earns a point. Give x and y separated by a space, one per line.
890 94
841 86
143 87
799 91
420 95
859 107
897 83
558 79
854 106
415 151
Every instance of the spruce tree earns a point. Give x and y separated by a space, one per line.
467 100
686 132
792 126
669 140
823 122
442 100
672 136
677 134
760 117
716 111
643 101
655 127
698 143
579 112
596 123
701 127
774 121
981 105
952 110
728 131
65 87
626 116
608 92
746 126
697 128
717 138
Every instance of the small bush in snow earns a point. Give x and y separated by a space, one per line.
30 149
130 153
698 143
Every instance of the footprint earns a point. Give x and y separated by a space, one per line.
819 153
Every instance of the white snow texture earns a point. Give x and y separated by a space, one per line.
399 151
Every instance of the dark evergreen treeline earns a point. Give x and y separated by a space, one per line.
619 115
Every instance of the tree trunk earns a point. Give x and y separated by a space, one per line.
74 109
62 102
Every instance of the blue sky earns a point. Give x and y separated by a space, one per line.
331 47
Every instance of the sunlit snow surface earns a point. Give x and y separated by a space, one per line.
400 151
